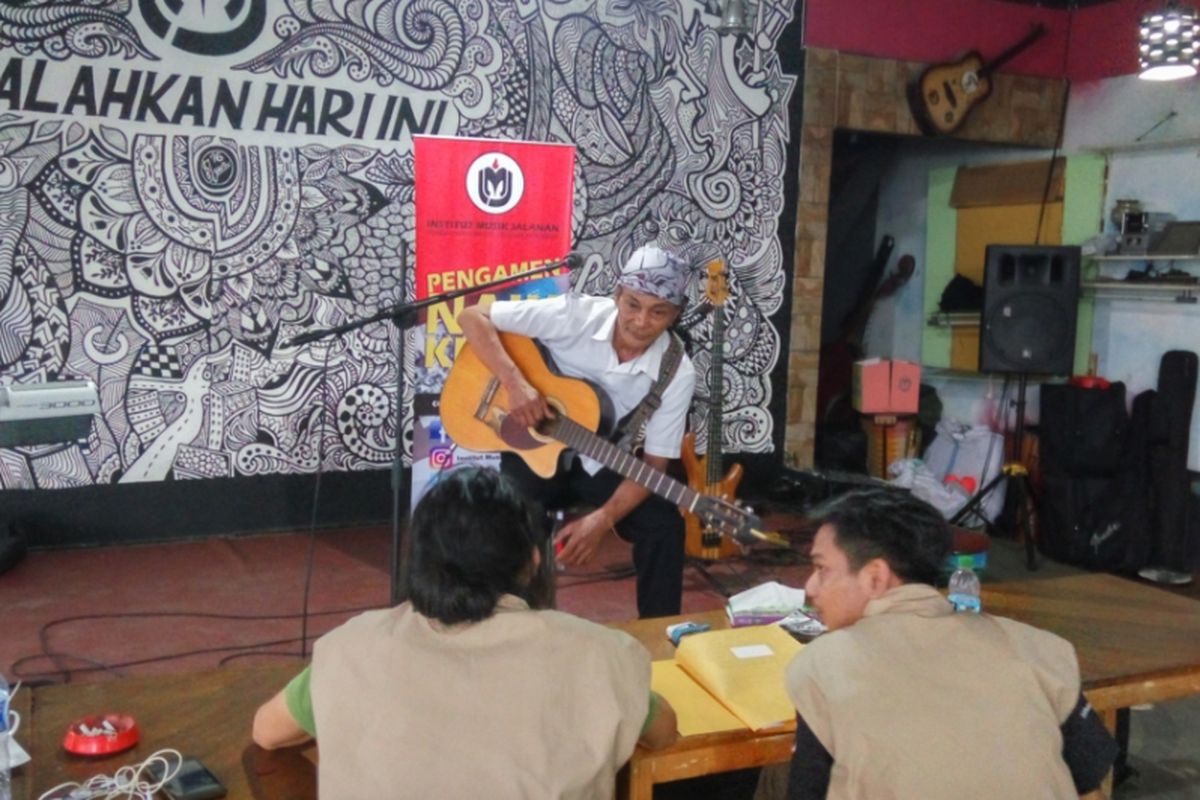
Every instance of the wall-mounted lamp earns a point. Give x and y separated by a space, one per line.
1168 42
733 18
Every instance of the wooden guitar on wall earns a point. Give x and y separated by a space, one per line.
944 94
704 472
474 409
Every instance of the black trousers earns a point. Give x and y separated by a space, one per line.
655 527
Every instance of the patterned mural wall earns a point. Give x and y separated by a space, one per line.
186 185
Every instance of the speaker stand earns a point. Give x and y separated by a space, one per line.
1020 502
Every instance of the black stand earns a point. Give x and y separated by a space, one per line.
1020 509
701 567
404 316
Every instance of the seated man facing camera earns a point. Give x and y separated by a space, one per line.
464 690
903 698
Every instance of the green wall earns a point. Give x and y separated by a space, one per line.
1082 218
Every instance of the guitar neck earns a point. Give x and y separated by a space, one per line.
625 464
1038 31
715 404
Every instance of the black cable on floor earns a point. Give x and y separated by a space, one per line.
100 666
66 672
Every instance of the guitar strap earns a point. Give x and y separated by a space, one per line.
630 430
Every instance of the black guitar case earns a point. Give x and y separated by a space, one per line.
1173 519
1145 515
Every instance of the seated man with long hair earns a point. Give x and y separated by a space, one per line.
464 690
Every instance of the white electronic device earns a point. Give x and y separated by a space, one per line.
42 400
46 413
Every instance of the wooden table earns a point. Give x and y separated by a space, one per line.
1136 644
201 714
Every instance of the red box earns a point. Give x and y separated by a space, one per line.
886 387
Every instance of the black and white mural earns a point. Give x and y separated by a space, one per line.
187 184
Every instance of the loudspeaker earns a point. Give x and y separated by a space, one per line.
1030 296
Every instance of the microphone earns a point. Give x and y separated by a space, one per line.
573 260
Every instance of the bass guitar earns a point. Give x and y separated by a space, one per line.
944 94
704 472
475 414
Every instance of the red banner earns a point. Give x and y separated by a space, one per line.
487 209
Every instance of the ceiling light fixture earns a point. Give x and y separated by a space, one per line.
1168 44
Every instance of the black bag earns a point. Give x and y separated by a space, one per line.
1082 431
1083 434
1066 531
961 294
1117 525
1143 514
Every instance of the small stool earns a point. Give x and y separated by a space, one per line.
969 548
890 437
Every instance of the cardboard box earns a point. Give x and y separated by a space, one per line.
886 387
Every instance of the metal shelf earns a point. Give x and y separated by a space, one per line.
1149 257
1185 293
954 319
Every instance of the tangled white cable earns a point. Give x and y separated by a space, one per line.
131 782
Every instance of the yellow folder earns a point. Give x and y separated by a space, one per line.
696 711
741 669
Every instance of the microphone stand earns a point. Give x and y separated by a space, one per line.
404 316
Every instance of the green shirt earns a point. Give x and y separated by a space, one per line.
298 697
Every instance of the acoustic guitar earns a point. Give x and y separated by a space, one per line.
944 94
475 414
704 472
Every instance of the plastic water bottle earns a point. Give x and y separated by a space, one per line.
5 771
964 588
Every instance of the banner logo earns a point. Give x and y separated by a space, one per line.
195 26
217 169
495 183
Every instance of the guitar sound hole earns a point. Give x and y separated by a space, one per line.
516 435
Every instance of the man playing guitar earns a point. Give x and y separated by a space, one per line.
619 344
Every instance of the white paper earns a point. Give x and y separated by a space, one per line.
752 651
16 754
769 596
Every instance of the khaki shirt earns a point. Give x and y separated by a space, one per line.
914 701
525 704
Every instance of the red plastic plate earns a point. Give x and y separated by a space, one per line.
101 735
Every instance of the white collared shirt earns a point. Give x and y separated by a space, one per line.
577 331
